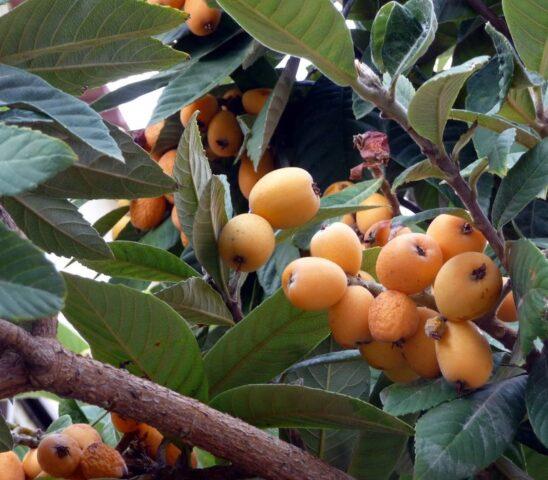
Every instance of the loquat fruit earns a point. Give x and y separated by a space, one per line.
382 356
30 463
203 20
224 135
101 461
248 176
464 354
232 94
147 213
59 455
366 276
184 240
393 317
246 242
175 219
83 433
172 454
366 218
312 283
11 467
419 350
208 107
349 317
123 424
409 263
152 133
286 197
254 100
379 233
151 437
340 244
336 187
467 286
169 3
507 311
167 162
401 374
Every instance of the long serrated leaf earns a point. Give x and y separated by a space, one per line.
428 214
418 171
108 220
536 398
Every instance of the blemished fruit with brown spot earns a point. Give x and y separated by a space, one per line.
336 187
366 218
340 244
349 317
409 263
312 283
30 464
224 135
208 107
382 356
286 197
152 133
83 433
246 242
464 355
11 467
419 350
102 461
455 235
393 317
467 286
147 213
123 424
402 374
507 311
248 176
203 19
59 455
379 233
254 100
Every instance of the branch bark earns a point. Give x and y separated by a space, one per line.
479 7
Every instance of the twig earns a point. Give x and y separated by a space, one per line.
479 7
409 204
347 6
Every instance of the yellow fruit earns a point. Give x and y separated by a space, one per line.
401 375
378 234
101 461
248 177
184 240
382 356
419 350
393 316
30 463
59 455
119 226
254 100
409 263
246 242
312 283
336 188
455 235
83 433
467 286
224 135
123 424
167 162
366 276
366 218
349 317
152 132
11 467
151 437
340 244
286 197
208 107
203 20
507 311
464 355
147 213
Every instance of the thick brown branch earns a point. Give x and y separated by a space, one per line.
13 375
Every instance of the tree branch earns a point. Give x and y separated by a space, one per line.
479 7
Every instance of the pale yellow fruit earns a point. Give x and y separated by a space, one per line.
83 433
366 218
11 467
30 464
248 176
340 244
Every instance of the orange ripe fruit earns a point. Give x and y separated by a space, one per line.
455 235
254 100
172 454
464 355
208 107
382 356
83 433
11 467
467 286
419 350
169 3
507 311
167 162
409 263
366 218
246 242
175 219
101 461
30 464
152 133
393 316
349 317
312 283
286 197
401 375
147 213
336 188
340 244
366 276
151 437
378 234
59 455
123 424
224 135
248 176
184 240
203 19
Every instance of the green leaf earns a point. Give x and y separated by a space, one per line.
458 438
59 424
536 398
369 260
401 34
496 147
270 274
108 220
419 171
197 302
70 407
293 406
274 335
70 339
338 356
430 107
428 214
142 262
528 24
525 180
192 173
312 29
28 158
19 88
128 328
30 287
6 440
57 226
404 398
